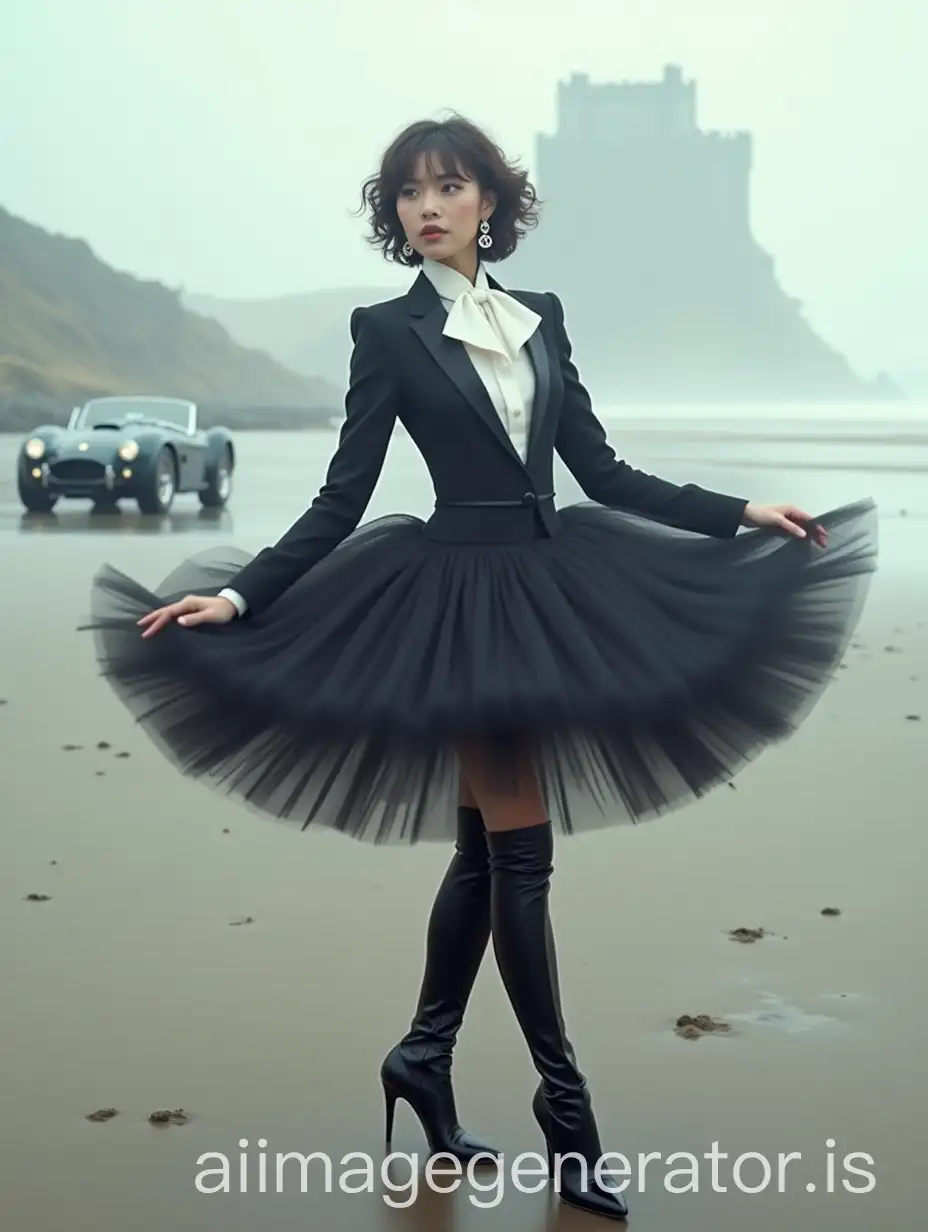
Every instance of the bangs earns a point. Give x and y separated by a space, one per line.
444 156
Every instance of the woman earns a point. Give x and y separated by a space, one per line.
503 668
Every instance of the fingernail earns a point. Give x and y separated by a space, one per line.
182 620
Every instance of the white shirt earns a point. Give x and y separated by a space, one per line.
493 329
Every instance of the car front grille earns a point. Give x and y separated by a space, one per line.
78 470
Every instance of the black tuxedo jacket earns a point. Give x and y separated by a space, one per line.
403 367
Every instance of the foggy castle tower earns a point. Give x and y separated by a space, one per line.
646 236
631 157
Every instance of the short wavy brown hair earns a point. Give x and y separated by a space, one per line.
453 146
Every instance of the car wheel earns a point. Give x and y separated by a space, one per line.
219 483
35 499
157 490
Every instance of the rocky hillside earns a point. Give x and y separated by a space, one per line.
72 326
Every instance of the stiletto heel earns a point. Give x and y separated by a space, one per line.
390 1098
430 1095
550 1160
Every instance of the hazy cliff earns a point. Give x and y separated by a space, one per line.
71 327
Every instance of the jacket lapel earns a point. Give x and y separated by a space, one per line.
428 318
541 362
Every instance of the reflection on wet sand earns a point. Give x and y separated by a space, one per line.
119 521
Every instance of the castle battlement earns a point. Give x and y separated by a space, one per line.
634 111
640 142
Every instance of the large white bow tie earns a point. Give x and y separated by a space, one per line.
492 321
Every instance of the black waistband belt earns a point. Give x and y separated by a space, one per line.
525 502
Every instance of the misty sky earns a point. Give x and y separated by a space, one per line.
219 144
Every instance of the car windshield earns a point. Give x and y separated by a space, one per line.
122 410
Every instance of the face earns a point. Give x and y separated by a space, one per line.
441 213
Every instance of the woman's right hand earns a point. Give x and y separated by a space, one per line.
193 610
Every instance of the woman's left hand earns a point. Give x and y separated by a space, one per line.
790 518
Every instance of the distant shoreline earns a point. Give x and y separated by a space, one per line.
317 426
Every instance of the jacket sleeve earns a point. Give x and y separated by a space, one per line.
370 414
582 444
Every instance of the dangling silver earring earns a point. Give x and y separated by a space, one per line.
484 239
407 249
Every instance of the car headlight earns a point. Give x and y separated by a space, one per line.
128 451
35 448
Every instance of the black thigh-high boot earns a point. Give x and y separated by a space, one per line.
521 863
418 1068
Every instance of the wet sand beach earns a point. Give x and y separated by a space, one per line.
182 953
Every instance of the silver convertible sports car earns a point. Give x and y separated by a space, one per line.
146 449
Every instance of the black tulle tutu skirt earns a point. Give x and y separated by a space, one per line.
631 666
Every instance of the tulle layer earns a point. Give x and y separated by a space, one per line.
631 666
